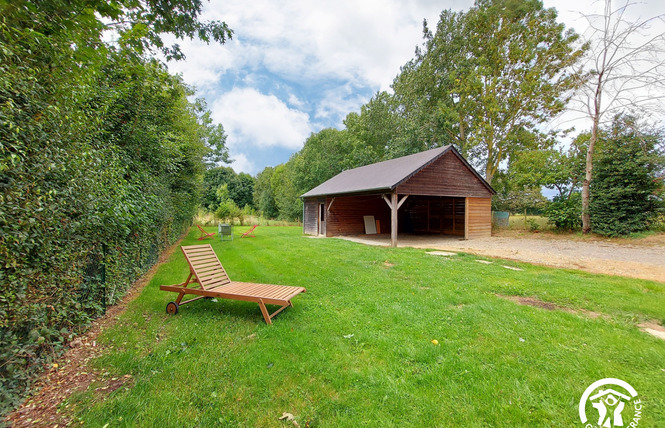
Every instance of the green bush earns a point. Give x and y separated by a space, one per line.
227 211
533 225
658 225
565 213
626 194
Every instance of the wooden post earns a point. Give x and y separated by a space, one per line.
393 219
466 218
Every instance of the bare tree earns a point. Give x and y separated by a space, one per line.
626 72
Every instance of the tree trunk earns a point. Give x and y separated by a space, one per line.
489 169
586 184
524 218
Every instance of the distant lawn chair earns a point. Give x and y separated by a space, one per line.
225 230
249 233
204 234
206 270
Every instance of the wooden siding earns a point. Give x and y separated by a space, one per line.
346 214
310 220
478 218
446 176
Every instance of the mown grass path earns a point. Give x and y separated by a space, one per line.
357 350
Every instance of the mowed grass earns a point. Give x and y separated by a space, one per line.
356 349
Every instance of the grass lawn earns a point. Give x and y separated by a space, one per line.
517 222
356 349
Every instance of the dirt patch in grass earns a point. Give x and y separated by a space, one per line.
537 303
650 327
530 301
71 372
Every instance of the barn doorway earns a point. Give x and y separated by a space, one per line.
433 215
322 219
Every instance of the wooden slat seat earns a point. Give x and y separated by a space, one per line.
207 271
204 234
249 233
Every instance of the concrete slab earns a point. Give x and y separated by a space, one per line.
440 253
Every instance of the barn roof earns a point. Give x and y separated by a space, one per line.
384 176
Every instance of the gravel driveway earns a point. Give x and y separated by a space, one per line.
638 258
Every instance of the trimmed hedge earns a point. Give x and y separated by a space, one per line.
101 159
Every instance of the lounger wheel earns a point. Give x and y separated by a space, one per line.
172 308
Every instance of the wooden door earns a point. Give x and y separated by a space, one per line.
322 219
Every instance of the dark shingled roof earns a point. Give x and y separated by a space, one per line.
382 176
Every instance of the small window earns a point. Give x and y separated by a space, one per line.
323 212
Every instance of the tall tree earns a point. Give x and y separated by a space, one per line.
556 168
626 69
488 78
324 155
374 130
240 187
285 193
376 122
264 198
424 83
213 134
242 192
627 192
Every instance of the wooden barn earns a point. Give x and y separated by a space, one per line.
432 192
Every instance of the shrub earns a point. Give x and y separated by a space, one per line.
565 213
533 225
227 211
626 196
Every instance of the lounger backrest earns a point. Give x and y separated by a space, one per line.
251 229
205 265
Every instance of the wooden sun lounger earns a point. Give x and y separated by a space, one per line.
206 270
249 233
204 234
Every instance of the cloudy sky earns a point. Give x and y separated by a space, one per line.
297 66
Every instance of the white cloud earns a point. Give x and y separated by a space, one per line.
338 103
296 102
205 64
315 40
251 118
319 57
363 41
242 164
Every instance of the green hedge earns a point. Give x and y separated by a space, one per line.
101 159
